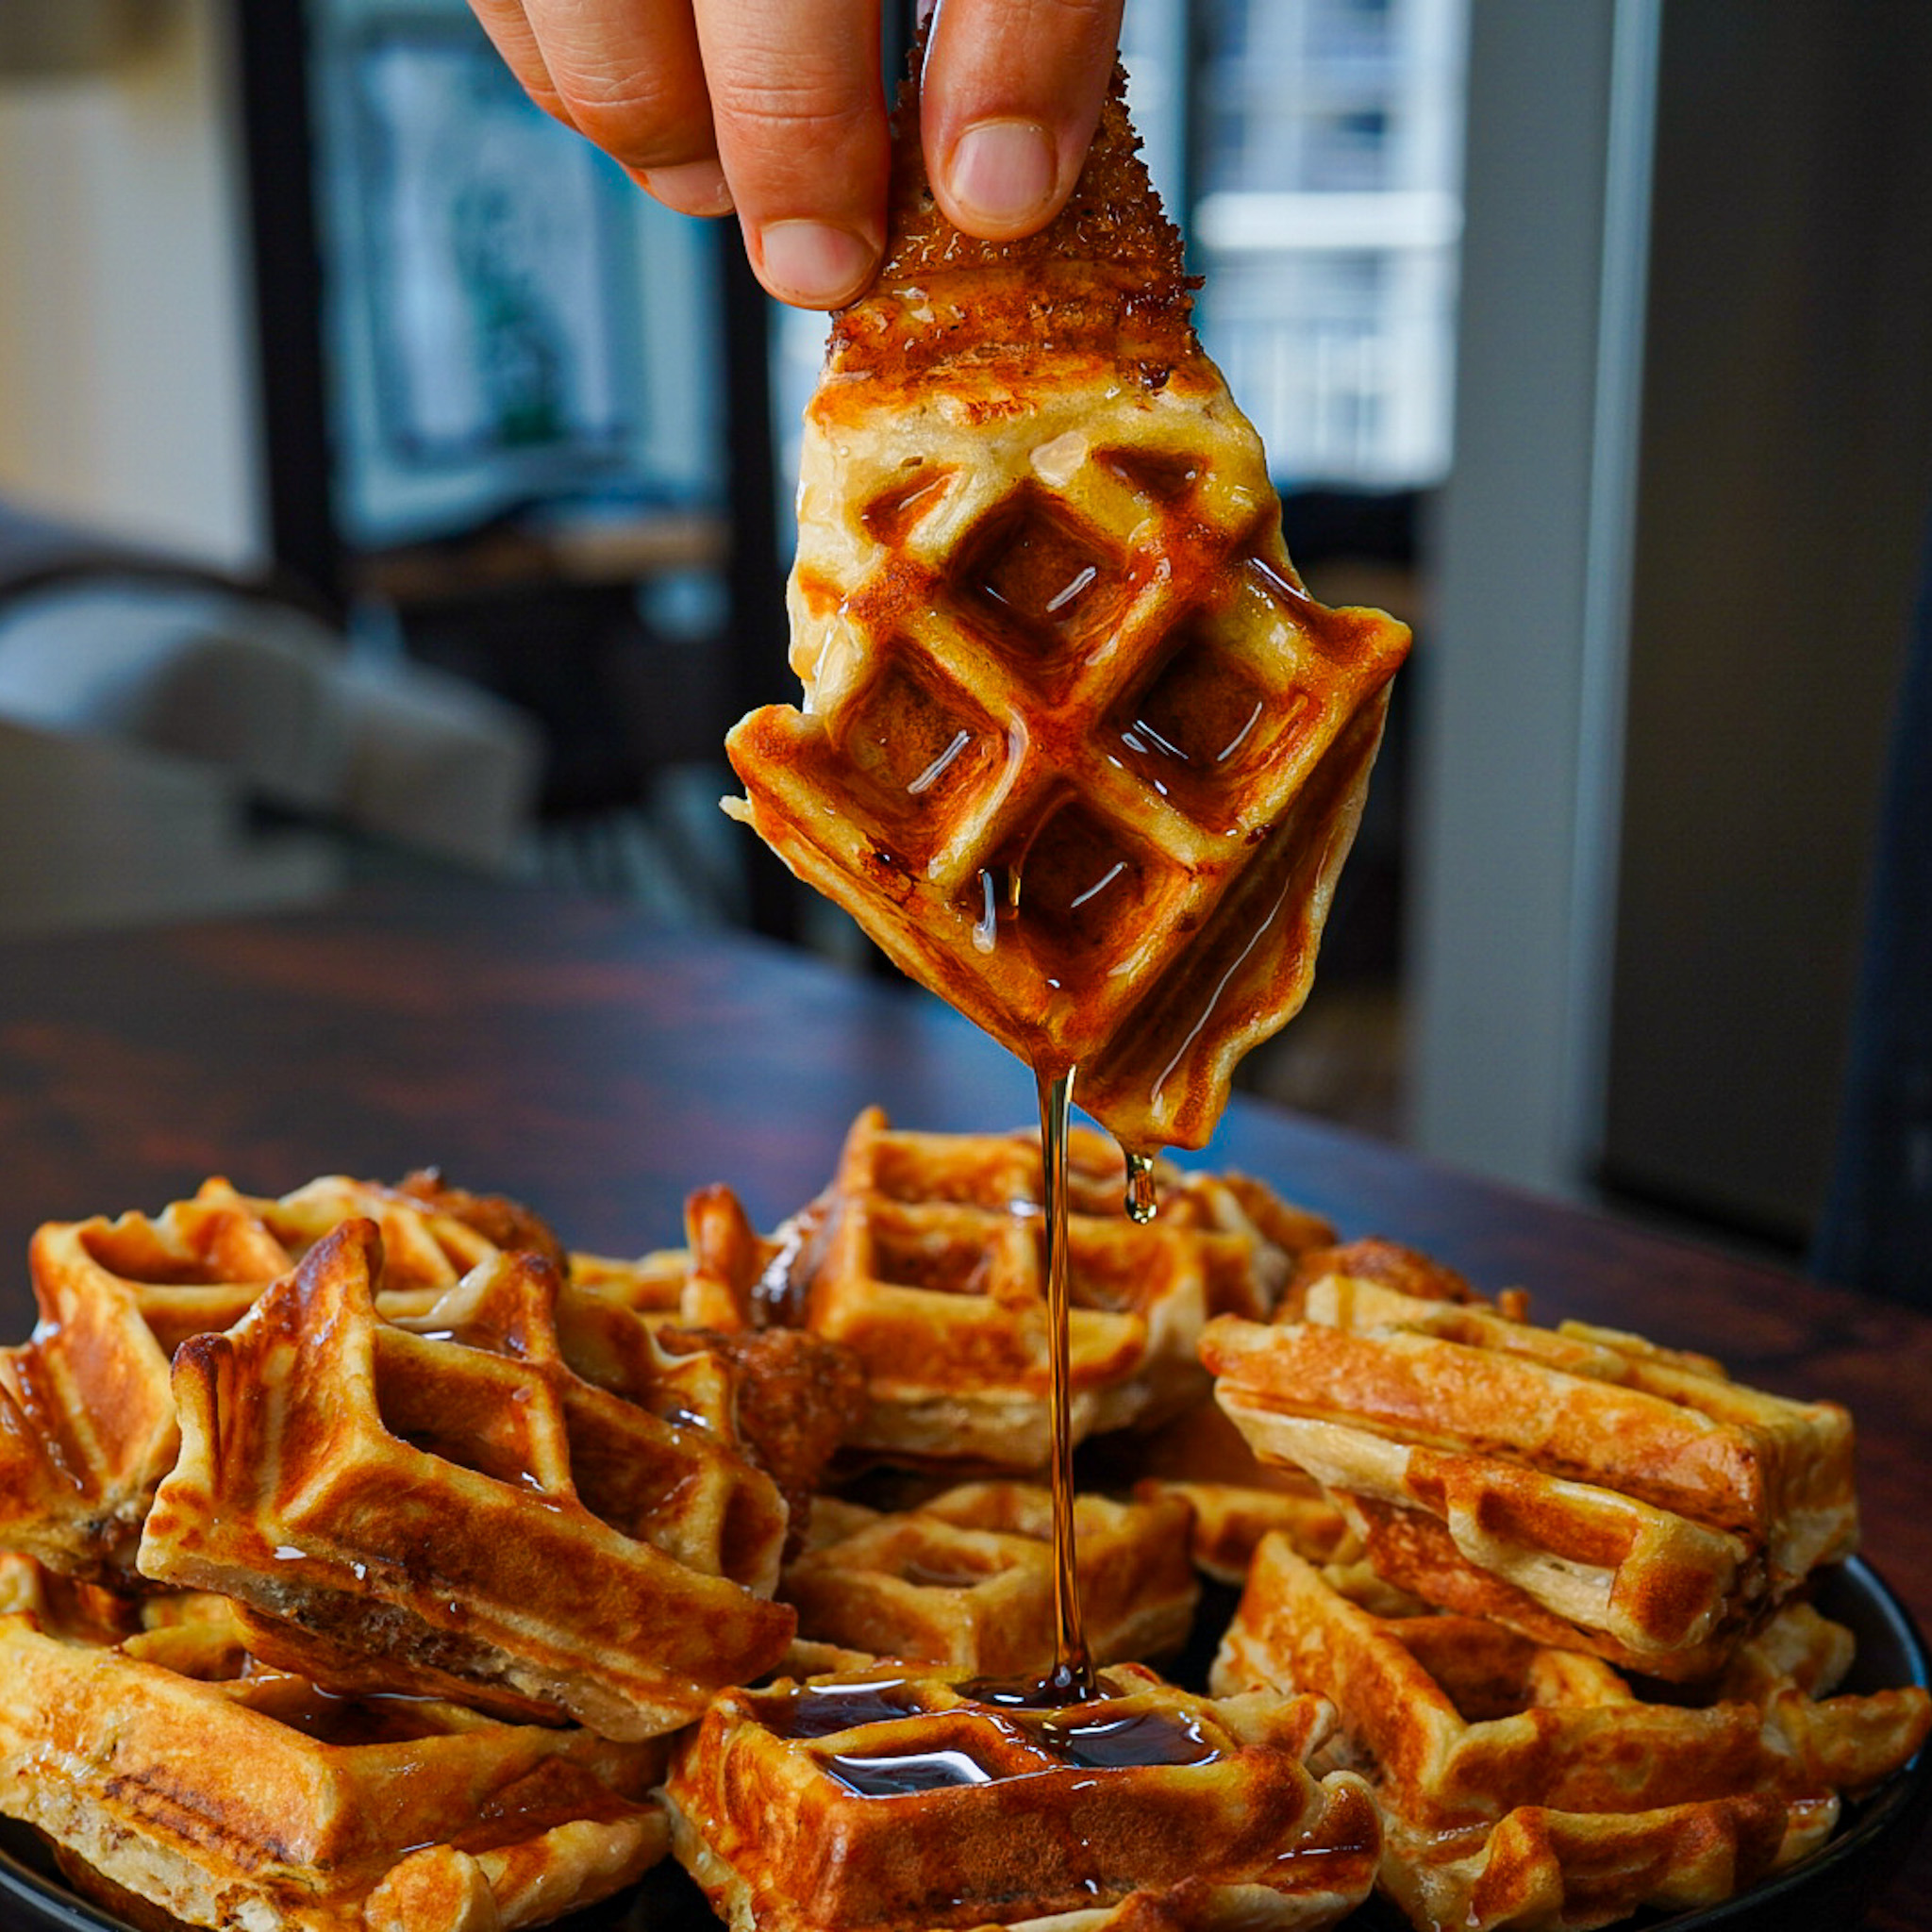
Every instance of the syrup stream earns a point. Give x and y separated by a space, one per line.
1073 1671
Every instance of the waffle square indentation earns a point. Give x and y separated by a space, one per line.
910 1255
1203 724
893 515
1166 478
1087 889
488 1436
1035 573
922 752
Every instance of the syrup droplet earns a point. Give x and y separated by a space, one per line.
1143 1203
986 927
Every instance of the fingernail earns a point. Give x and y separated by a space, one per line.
813 263
692 187
1004 171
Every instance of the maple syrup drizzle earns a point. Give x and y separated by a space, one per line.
1143 1203
1073 1669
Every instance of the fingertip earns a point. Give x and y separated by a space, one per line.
1010 95
691 188
812 264
1001 178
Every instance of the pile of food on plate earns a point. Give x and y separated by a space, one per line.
447 1576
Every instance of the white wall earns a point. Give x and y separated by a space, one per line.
126 369
1519 682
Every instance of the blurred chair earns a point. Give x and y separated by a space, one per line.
145 693
1876 1230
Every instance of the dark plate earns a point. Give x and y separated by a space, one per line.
1834 1888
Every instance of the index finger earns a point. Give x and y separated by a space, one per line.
799 109
1010 98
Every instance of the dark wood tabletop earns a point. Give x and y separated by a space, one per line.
568 1052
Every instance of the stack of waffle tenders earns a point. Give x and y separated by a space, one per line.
1526 1787
1077 749
926 1258
1585 1487
377 1724
868 1801
383 1469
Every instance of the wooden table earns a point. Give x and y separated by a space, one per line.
566 1052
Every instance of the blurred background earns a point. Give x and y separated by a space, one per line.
384 482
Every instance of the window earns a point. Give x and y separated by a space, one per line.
1326 139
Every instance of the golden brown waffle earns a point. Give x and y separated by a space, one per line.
669 1331
691 1319
182 1773
885 1802
1202 1459
966 1580
1532 1788
425 1245
1077 749
926 1258
87 1423
713 1282
1583 1487
460 1505
1227 1521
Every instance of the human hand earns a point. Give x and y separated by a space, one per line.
777 108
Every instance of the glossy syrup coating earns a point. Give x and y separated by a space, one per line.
1077 749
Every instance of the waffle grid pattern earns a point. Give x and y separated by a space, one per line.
930 1265
372 1484
1059 681
965 1579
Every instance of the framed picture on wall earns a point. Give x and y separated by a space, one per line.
494 259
